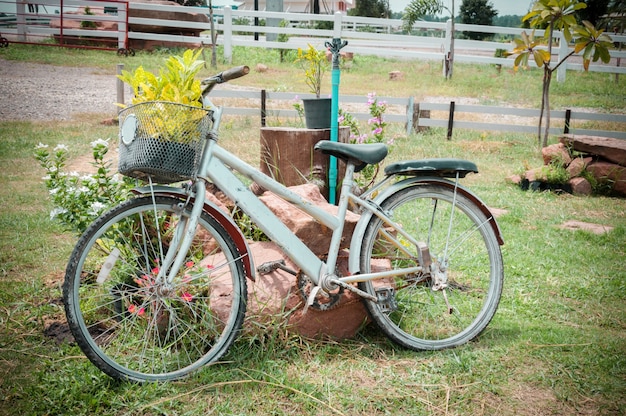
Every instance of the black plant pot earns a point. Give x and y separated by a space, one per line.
317 112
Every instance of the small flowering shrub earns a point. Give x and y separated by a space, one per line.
376 134
79 200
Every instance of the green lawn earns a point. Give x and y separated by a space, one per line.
556 346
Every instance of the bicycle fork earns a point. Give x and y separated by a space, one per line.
183 236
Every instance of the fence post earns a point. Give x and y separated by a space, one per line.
263 107
20 9
122 25
120 87
447 47
563 50
568 118
338 22
451 120
409 116
228 34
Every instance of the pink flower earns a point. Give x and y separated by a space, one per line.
132 308
187 297
189 264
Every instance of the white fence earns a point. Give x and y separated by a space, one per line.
366 36
271 106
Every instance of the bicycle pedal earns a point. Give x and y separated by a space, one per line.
386 297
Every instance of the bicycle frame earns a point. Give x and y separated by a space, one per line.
217 166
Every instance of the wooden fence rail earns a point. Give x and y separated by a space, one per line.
414 115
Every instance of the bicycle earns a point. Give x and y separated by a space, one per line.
156 287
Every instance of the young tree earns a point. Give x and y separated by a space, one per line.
558 15
477 12
417 9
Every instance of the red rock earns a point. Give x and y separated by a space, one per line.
580 186
315 235
274 296
614 150
606 172
556 153
577 166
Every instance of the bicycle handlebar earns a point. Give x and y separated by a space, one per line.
224 76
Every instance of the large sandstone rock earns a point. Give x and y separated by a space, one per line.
610 173
315 235
611 149
274 297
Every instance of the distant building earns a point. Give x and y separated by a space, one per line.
304 6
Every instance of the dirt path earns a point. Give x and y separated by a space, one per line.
30 91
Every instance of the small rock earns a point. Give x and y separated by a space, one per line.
580 186
396 75
556 153
577 166
261 68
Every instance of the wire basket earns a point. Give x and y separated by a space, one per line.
162 140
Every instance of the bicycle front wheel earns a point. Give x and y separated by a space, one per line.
134 326
457 293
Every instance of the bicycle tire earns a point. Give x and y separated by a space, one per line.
129 326
418 317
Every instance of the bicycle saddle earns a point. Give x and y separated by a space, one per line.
362 154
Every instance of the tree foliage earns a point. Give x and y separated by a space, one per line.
371 8
417 9
477 12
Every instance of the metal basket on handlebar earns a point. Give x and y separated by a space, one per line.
163 140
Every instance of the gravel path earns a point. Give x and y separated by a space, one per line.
31 91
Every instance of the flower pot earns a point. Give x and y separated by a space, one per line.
317 112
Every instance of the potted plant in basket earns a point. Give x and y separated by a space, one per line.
316 110
163 131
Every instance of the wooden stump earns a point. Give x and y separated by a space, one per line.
287 155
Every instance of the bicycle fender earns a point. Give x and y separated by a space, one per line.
359 230
218 215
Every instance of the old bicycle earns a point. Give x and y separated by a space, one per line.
156 287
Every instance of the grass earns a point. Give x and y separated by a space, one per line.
556 346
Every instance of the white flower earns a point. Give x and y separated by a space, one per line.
41 146
74 174
46 178
96 208
100 142
53 191
57 211
61 147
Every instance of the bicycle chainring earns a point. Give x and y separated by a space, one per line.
324 301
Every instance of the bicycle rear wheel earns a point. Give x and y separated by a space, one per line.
130 325
465 255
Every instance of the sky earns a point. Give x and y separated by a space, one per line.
503 7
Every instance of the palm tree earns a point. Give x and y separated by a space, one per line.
417 9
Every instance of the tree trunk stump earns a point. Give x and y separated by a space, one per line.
287 155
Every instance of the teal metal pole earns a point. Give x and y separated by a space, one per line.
334 46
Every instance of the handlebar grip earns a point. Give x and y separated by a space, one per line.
236 72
